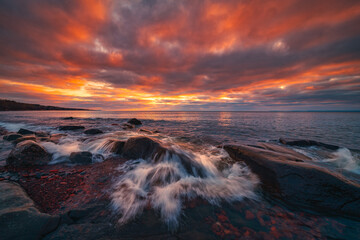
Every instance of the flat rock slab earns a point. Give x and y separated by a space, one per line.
300 183
19 219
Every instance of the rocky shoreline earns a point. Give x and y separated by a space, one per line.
60 201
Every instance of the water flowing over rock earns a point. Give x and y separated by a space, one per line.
19 218
93 131
28 153
71 128
164 176
298 182
12 137
141 147
135 121
23 131
81 157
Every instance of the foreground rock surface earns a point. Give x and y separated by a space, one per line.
28 153
81 157
19 219
298 182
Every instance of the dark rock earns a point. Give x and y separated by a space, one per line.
300 183
114 146
68 118
19 218
135 121
81 157
41 134
141 147
145 131
55 138
293 155
3 131
71 127
127 126
12 137
32 138
28 153
93 131
306 143
25 132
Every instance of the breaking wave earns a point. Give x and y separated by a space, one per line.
164 183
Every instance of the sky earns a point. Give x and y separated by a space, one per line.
182 55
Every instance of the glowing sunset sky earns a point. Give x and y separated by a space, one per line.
182 55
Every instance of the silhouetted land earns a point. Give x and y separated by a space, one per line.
8 105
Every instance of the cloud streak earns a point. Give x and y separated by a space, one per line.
182 55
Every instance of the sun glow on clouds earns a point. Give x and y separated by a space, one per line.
181 55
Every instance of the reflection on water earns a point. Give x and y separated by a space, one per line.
338 128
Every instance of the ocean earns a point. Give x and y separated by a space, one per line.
199 137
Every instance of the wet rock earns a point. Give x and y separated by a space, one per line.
293 155
93 131
127 126
306 143
135 121
24 139
55 138
12 137
300 183
71 128
145 131
19 218
81 157
41 134
23 131
3 131
28 153
141 147
114 146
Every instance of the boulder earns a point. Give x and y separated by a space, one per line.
93 131
71 127
12 137
24 139
19 218
134 121
300 183
41 134
127 126
81 157
28 153
3 131
306 143
114 146
23 131
141 147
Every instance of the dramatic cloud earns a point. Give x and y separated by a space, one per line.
182 55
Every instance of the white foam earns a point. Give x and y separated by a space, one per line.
344 159
165 184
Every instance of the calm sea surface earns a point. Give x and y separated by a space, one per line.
339 128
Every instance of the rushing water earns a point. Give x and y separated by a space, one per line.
192 139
